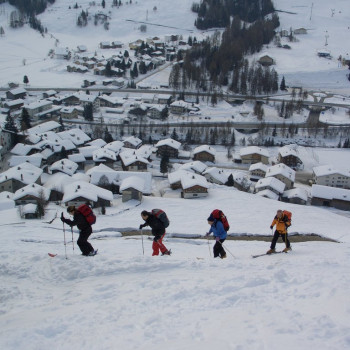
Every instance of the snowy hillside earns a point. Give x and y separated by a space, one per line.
324 21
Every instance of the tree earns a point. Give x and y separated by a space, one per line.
164 164
61 128
107 136
283 84
2 32
88 112
103 3
41 204
25 80
174 135
25 120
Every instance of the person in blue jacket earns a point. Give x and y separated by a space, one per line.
217 228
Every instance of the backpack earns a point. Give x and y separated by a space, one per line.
288 214
161 216
219 215
88 213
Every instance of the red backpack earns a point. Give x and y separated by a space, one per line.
219 215
161 216
88 213
288 214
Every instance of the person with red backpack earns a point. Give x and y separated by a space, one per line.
82 222
220 234
158 231
282 222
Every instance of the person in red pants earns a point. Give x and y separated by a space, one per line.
158 231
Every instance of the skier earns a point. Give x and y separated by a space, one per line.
282 223
220 235
158 231
84 227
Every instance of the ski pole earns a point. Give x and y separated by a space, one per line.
226 249
209 246
72 238
143 249
64 238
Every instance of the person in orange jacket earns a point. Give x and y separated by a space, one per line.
282 223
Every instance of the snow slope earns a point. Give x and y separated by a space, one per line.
126 300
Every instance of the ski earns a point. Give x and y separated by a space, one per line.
257 256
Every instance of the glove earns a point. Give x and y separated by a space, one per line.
62 218
207 234
217 239
156 238
141 226
271 227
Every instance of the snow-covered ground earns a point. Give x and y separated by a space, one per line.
126 300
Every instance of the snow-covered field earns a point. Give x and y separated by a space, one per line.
122 299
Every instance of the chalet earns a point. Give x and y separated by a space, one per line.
17 177
271 184
6 142
119 82
76 68
32 193
132 162
114 146
71 112
215 175
81 48
155 112
105 45
254 154
327 175
164 99
131 188
299 31
196 167
55 184
88 151
76 135
16 94
283 173
105 156
178 107
44 127
132 142
41 109
117 44
6 200
34 159
62 53
22 149
168 147
204 153
29 211
70 100
194 186
326 196
64 166
288 155
87 83
240 181
257 171
14 105
295 196
136 44
79 159
49 93
110 101
80 192
174 178
266 61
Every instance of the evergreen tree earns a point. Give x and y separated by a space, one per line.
2 32
88 112
103 3
108 70
230 181
107 136
174 135
164 164
63 153
283 84
25 120
10 124
61 128
233 138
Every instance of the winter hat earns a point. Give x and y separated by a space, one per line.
210 218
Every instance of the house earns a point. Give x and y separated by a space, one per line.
283 173
66 166
41 109
240 181
80 192
288 155
76 135
272 184
174 178
110 101
49 93
132 142
257 171
178 107
155 112
131 188
81 48
34 159
6 200
195 167
29 211
19 176
105 156
164 99
88 151
114 146
44 127
168 147
56 183
32 193
254 154
215 175
105 45
266 61
6 142
326 196
132 162
14 105
16 94
79 159
204 153
22 149
327 175
194 186
62 53
295 195
299 31
71 112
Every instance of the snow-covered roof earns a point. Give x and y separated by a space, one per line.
103 153
56 181
29 208
271 182
195 166
268 194
325 170
44 127
130 157
258 166
18 90
38 104
175 176
135 141
296 193
77 136
97 143
85 190
32 190
25 172
254 150
114 146
132 182
34 159
281 169
88 151
6 195
330 193
189 180
168 142
204 148
145 151
65 166
179 103
22 149
77 157
216 173
288 150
